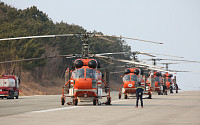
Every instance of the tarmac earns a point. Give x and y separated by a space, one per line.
181 108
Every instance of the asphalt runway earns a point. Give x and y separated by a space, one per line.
173 109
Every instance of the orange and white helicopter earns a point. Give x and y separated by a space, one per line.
168 82
132 77
85 83
154 81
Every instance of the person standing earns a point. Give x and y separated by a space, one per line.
176 85
139 93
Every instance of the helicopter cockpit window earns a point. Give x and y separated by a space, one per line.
126 78
91 73
134 78
79 73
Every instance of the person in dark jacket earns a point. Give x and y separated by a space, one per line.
176 85
139 93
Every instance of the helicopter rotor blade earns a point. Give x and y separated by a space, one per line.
179 71
192 61
30 59
147 54
167 63
115 53
128 38
121 66
159 59
161 54
137 63
76 35
105 60
106 39
43 36
161 70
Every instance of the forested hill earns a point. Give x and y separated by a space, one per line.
31 21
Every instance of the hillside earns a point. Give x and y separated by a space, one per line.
45 76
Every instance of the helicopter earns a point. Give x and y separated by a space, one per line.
168 82
131 79
85 84
154 81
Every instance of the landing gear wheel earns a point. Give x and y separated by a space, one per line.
94 101
171 90
63 100
75 101
150 96
120 96
99 103
108 101
125 96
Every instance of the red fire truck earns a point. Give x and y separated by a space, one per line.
9 86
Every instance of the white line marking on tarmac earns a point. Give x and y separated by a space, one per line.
56 109
119 101
65 108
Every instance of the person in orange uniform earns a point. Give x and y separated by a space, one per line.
139 93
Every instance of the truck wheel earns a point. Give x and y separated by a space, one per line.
94 101
16 97
120 96
63 100
11 95
125 96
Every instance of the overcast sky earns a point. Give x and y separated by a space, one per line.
176 23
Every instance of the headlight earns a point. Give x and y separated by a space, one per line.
94 83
